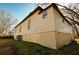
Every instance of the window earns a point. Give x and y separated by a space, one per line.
44 14
20 29
29 24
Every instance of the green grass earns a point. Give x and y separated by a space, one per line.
30 48
10 46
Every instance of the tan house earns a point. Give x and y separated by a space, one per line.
47 27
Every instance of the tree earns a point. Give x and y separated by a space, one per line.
6 20
43 5
71 13
70 9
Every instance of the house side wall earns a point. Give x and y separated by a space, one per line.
51 32
41 30
63 30
44 38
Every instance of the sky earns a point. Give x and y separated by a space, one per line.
18 10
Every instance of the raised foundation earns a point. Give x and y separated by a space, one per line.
51 39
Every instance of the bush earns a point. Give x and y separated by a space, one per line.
7 37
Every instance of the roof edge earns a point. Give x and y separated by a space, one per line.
30 14
41 10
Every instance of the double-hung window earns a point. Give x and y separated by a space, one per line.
44 14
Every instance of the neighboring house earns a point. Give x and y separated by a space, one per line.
47 27
9 32
1 34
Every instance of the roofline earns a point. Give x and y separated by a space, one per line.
30 14
56 8
41 10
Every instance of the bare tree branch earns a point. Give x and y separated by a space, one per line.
76 22
6 20
66 8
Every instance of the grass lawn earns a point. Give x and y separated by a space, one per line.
13 47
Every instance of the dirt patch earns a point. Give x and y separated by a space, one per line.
8 50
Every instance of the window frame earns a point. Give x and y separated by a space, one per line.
44 14
29 24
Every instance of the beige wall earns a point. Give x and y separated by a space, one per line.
62 39
74 32
50 32
63 30
61 26
37 23
44 38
